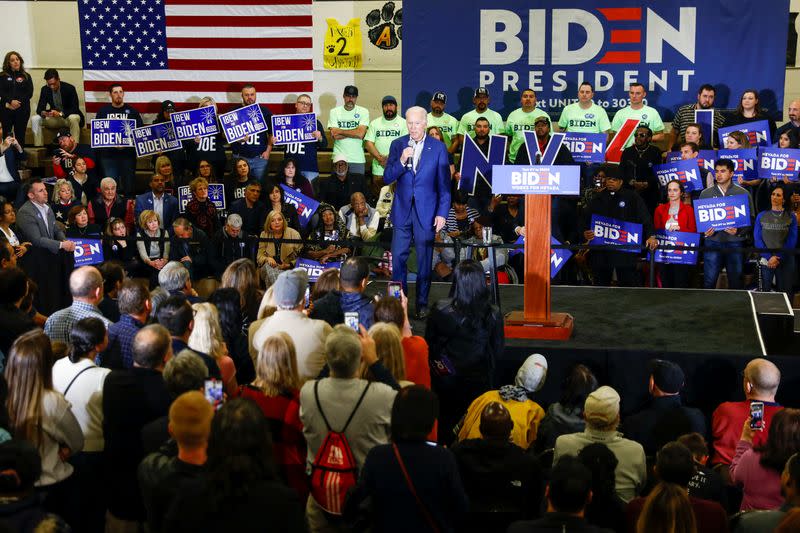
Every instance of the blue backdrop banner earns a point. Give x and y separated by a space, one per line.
552 46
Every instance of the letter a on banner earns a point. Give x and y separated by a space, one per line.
614 150
474 164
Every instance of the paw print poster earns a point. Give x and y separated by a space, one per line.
385 26
342 45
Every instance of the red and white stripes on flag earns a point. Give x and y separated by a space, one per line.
214 47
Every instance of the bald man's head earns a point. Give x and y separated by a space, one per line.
496 422
761 380
794 110
86 283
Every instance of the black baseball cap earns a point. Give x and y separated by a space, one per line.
440 96
541 118
168 105
667 376
350 90
63 132
389 99
481 91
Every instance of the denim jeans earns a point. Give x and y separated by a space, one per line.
714 261
258 166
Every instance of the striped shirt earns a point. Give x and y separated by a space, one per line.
685 116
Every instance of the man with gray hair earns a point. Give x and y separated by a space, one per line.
360 218
327 405
229 244
189 246
288 293
108 204
86 287
174 278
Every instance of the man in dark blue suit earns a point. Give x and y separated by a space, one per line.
163 203
420 167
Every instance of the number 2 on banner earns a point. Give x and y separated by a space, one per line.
342 47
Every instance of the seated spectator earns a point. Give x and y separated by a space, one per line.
525 413
11 153
760 383
308 334
81 382
58 108
757 469
108 204
665 418
503 483
117 248
460 217
206 337
8 228
63 200
437 500
174 278
340 186
758 521
67 153
132 398
330 228
177 315
360 218
601 412
252 211
242 276
161 476
353 278
508 219
474 246
200 210
568 493
390 353
675 468
113 276
153 244
289 175
444 258
21 506
83 182
706 483
239 490
40 414
134 308
566 415
275 199
189 246
415 349
606 510
237 181
78 226
13 289
228 244
86 287
327 405
667 508
158 200
276 391
164 168
275 256
184 372
230 318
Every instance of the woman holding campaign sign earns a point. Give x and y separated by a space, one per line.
749 110
200 210
674 215
275 256
776 228
738 140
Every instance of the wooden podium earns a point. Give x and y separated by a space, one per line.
536 321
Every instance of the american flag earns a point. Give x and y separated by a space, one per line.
183 50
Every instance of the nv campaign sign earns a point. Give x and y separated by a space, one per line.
586 147
676 238
315 268
685 171
240 123
112 133
757 133
200 122
552 46
744 162
617 232
88 252
216 195
558 256
306 206
155 138
779 163
723 212
291 129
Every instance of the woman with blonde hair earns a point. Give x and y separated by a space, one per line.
275 256
667 510
42 416
153 245
200 210
242 276
276 391
163 167
206 337
63 200
389 347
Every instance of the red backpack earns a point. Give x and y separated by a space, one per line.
334 470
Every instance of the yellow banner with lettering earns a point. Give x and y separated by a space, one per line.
343 45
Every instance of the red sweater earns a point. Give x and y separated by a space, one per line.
726 428
685 217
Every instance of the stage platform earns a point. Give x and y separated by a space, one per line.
710 333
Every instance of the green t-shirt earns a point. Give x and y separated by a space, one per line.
343 119
467 124
646 115
447 123
575 118
517 124
382 132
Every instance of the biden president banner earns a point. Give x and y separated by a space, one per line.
722 213
551 46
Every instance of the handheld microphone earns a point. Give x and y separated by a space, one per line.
410 161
